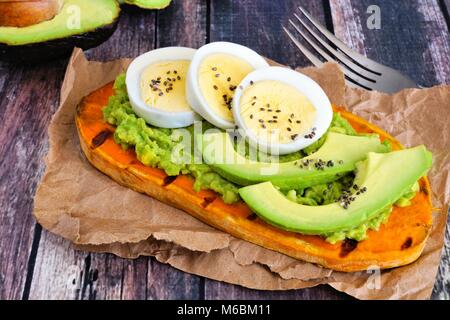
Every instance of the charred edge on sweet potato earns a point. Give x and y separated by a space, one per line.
407 244
424 190
207 201
168 180
347 246
252 216
100 138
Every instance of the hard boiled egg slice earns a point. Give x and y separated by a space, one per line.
281 111
213 77
156 85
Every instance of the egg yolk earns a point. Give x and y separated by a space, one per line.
276 112
219 76
163 85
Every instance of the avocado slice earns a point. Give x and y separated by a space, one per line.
148 4
385 177
80 23
337 156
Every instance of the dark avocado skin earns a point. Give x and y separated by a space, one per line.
49 50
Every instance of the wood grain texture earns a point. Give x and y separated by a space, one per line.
258 25
182 24
413 38
27 99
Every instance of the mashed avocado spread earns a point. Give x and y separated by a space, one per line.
154 146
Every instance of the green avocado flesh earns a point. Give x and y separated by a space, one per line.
385 177
148 4
336 156
76 17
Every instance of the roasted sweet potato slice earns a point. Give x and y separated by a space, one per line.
400 241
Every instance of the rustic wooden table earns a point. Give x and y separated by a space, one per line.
34 264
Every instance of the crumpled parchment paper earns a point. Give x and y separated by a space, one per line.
81 204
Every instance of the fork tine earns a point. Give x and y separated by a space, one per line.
317 62
338 55
358 58
347 71
355 79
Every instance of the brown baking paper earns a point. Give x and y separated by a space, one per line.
81 204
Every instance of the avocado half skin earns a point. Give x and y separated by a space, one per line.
51 49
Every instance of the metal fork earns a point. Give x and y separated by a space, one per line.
359 70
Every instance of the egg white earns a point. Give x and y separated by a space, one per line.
153 116
305 85
193 92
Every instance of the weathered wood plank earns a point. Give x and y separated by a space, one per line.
135 35
413 37
446 8
183 23
27 100
258 25
441 289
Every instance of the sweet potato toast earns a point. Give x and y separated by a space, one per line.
398 242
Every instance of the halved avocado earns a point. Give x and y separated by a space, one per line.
384 177
148 4
337 156
79 23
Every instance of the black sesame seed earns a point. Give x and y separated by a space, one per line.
214 69
298 121
228 79
251 116
275 117
294 136
178 77
289 129
160 94
292 115
253 103
251 82
217 75
168 72
278 111
254 97
261 120
215 87
263 126
262 109
290 121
